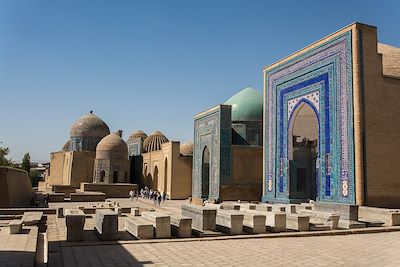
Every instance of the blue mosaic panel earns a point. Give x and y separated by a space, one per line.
212 130
321 78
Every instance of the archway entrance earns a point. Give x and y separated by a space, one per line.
165 175
115 177
303 153
205 174
102 175
155 178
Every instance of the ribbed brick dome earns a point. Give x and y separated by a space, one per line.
136 135
89 125
153 142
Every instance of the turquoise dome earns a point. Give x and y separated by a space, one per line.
247 105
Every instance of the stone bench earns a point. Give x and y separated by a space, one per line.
56 197
390 217
181 226
254 223
275 221
245 206
229 221
74 223
203 218
106 224
139 227
161 223
229 206
346 211
322 217
297 222
15 226
32 217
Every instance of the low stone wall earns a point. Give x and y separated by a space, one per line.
111 190
56 197
66 189
88 196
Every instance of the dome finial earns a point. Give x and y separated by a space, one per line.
91 112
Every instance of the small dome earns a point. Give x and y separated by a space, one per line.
66 146
138 134
187 149
113 143
247 105
89 125
153 142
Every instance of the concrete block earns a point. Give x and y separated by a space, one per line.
390 217
15 226
161 222
297 222
181 226
346 211
275 221
254 223
230 221
203 218
32 217
106 224
264 207
135 211
139 227
229 206
326 218
74 222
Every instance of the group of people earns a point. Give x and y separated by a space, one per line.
156 196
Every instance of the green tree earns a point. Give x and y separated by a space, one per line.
26 163
4 161
35 177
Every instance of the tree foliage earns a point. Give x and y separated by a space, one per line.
4 161
26 163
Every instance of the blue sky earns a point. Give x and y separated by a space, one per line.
149 64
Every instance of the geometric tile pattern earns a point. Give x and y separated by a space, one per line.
322 79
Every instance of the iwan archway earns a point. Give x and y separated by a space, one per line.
308 125
303 151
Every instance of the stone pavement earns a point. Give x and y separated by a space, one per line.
380 249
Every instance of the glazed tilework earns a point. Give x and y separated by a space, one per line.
322 79
214 131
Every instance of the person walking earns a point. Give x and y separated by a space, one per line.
131 195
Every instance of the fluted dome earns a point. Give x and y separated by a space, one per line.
113 145
89 125
247 105
153 142
138 134
186 149
66 146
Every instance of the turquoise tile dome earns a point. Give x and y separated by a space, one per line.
247 105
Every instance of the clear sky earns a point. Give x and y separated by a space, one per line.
149 64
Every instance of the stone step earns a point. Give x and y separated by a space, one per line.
390 217
350 224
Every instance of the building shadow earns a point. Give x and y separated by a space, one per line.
16 258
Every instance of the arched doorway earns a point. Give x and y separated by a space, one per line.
155 178
205 174
115 177
303 152
102 175
165 175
